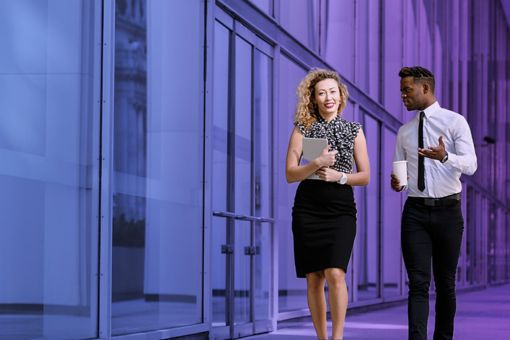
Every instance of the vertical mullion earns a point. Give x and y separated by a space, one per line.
106 166
255 165
230 296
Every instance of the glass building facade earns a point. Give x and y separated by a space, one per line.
143 147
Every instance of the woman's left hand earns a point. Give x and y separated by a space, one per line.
328 174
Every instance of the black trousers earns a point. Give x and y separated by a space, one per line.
431 235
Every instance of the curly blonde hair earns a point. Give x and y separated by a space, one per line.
307 111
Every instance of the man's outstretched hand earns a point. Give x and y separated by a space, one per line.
434 152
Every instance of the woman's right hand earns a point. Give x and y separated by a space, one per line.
327 158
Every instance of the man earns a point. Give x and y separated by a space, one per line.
438 147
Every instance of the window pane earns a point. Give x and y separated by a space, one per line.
291 290
158 123
301 19
392 50
49 144
220 174
368 233
391 205
368 40
340 17
262 108
263 184
243 127
243 178
265 5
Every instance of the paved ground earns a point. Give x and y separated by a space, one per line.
481 315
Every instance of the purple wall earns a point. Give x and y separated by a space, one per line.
467 45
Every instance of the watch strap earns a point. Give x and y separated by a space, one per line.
445 158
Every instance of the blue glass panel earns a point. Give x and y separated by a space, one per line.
367 245
158 162
391 205
265 5
220 174
263 183
243 177
49 146
301 19
292 291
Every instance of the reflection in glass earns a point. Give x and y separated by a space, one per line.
243 180
157 202
263 200
265 5
391 205
301 19
241 245
49 146
367 269
220 177
291 290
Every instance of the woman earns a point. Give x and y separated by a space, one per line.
324 212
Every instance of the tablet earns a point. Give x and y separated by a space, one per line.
312 147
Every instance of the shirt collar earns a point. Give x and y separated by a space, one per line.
429 111
321 119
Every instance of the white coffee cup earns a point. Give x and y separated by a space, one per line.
400 170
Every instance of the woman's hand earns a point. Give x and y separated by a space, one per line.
327 158
328 174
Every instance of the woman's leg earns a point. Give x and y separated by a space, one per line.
317 302
338 299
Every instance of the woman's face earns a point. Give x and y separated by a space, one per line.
327 96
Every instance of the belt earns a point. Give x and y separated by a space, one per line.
435 202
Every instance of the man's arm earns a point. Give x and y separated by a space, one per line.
463 158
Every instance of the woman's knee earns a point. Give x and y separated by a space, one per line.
315 280
335 277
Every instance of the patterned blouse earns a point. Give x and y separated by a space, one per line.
340 134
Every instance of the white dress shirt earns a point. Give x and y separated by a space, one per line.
441 179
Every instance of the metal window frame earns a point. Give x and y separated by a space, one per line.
105 227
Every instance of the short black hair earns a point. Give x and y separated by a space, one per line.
419 74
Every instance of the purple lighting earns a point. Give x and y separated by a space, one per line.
143 146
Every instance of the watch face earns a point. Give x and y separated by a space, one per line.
343 179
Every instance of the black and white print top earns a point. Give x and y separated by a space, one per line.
340 134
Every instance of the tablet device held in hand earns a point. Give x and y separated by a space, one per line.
312 148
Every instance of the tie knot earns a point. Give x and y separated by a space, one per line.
422 114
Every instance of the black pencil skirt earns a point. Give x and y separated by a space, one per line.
323 225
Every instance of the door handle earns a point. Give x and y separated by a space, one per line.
227 249
250 251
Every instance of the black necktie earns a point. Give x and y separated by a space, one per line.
421 165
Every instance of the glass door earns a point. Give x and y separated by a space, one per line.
241 182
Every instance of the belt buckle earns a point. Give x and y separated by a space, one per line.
429 202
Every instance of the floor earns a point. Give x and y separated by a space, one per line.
481 315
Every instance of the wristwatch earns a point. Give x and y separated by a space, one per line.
343 179
445 158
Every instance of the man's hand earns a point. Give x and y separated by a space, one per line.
434 152
395 183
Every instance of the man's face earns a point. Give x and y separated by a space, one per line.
412 93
